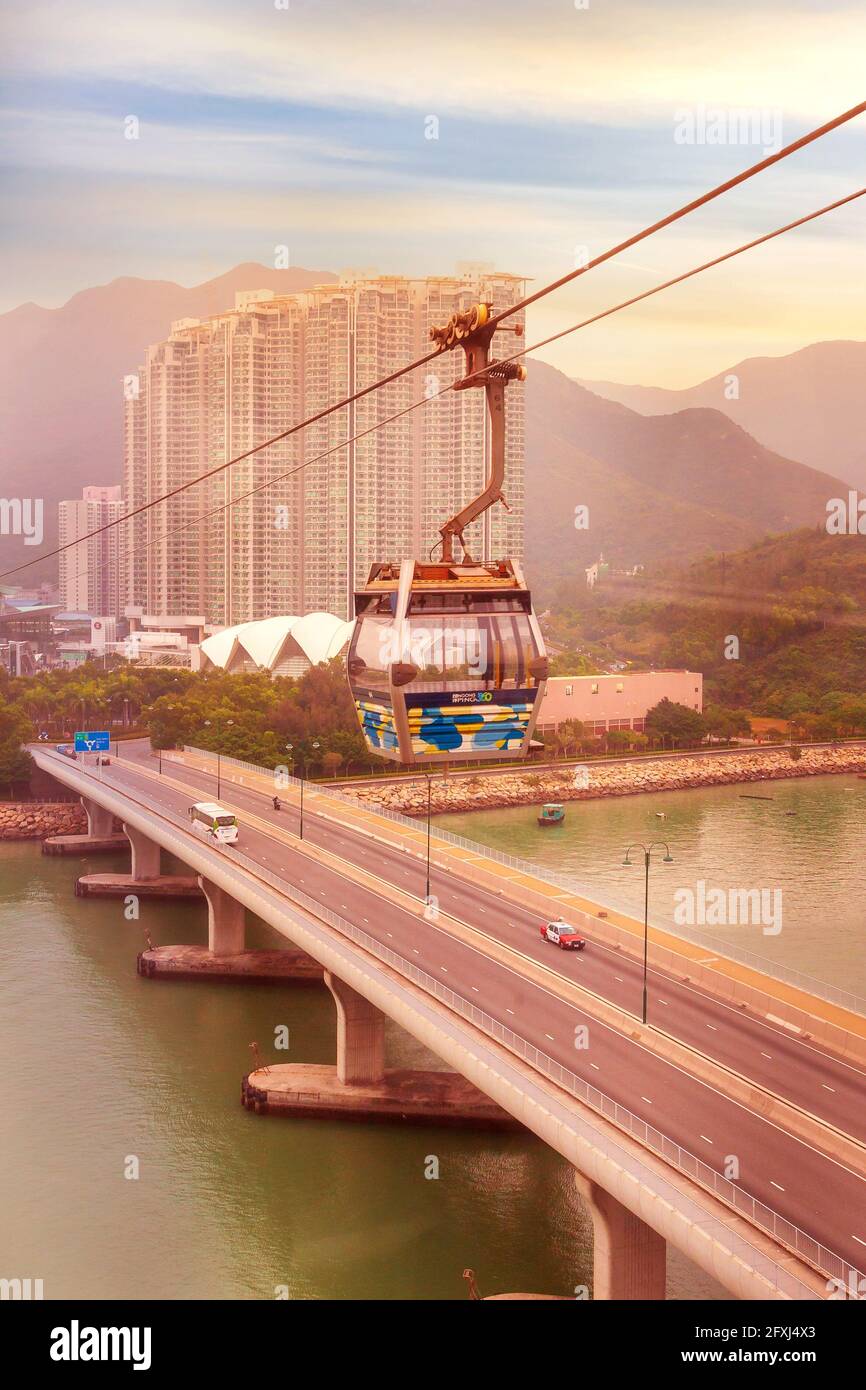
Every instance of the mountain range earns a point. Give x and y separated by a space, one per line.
657 488
660 482
808 405
61 375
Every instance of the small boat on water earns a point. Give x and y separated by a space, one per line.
551 813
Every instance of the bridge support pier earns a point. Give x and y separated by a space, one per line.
628 1255
359 1087
360 1036
100 821
226 920
145 880
146 854
100 838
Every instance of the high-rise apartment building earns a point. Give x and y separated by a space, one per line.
297 543
90 572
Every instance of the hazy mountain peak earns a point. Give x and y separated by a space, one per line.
808 405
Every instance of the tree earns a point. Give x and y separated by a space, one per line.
332 762
16 763
669 719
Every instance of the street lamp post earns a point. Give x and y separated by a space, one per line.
647 850
170 708
315 744
429 787
217 729
289 747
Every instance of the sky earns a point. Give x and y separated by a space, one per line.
410 136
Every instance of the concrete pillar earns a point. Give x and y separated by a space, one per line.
360 1035
226 919
628 1255
145 854
100 821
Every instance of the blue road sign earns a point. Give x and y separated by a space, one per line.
95 741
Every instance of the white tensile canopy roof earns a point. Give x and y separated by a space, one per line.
316 636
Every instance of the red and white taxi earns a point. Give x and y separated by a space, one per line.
562 935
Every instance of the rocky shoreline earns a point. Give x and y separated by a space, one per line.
34 820
528 788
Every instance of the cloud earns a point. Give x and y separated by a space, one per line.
611 63
306 127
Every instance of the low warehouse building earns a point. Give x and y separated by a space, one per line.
603 703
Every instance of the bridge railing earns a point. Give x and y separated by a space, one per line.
737 1198
833 994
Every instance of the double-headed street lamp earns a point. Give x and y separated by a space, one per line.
646 851
289 748
211 724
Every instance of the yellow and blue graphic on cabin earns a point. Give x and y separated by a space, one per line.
377 724
461 722
469 723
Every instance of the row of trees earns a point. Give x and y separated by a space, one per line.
309 724
667 725
246 716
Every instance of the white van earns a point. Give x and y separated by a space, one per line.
214 822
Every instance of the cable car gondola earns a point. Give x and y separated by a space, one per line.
447 661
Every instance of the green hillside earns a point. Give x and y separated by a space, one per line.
796 605
658 489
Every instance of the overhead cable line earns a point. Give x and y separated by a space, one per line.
672 217
532 347
675 216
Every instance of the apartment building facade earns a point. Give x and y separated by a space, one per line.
90 576
294 527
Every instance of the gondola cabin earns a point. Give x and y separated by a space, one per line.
446 661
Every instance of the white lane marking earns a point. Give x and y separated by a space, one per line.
767 1055
444 969
783 1023
704 1085
475 989
510 1011
647 1099
619 977
595 1066
662 1001
775 1184
825 1087
415 949
550 1035
858 1240
391 934
708 1139
365 919
713 1027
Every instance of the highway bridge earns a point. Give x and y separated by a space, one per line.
733 1128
